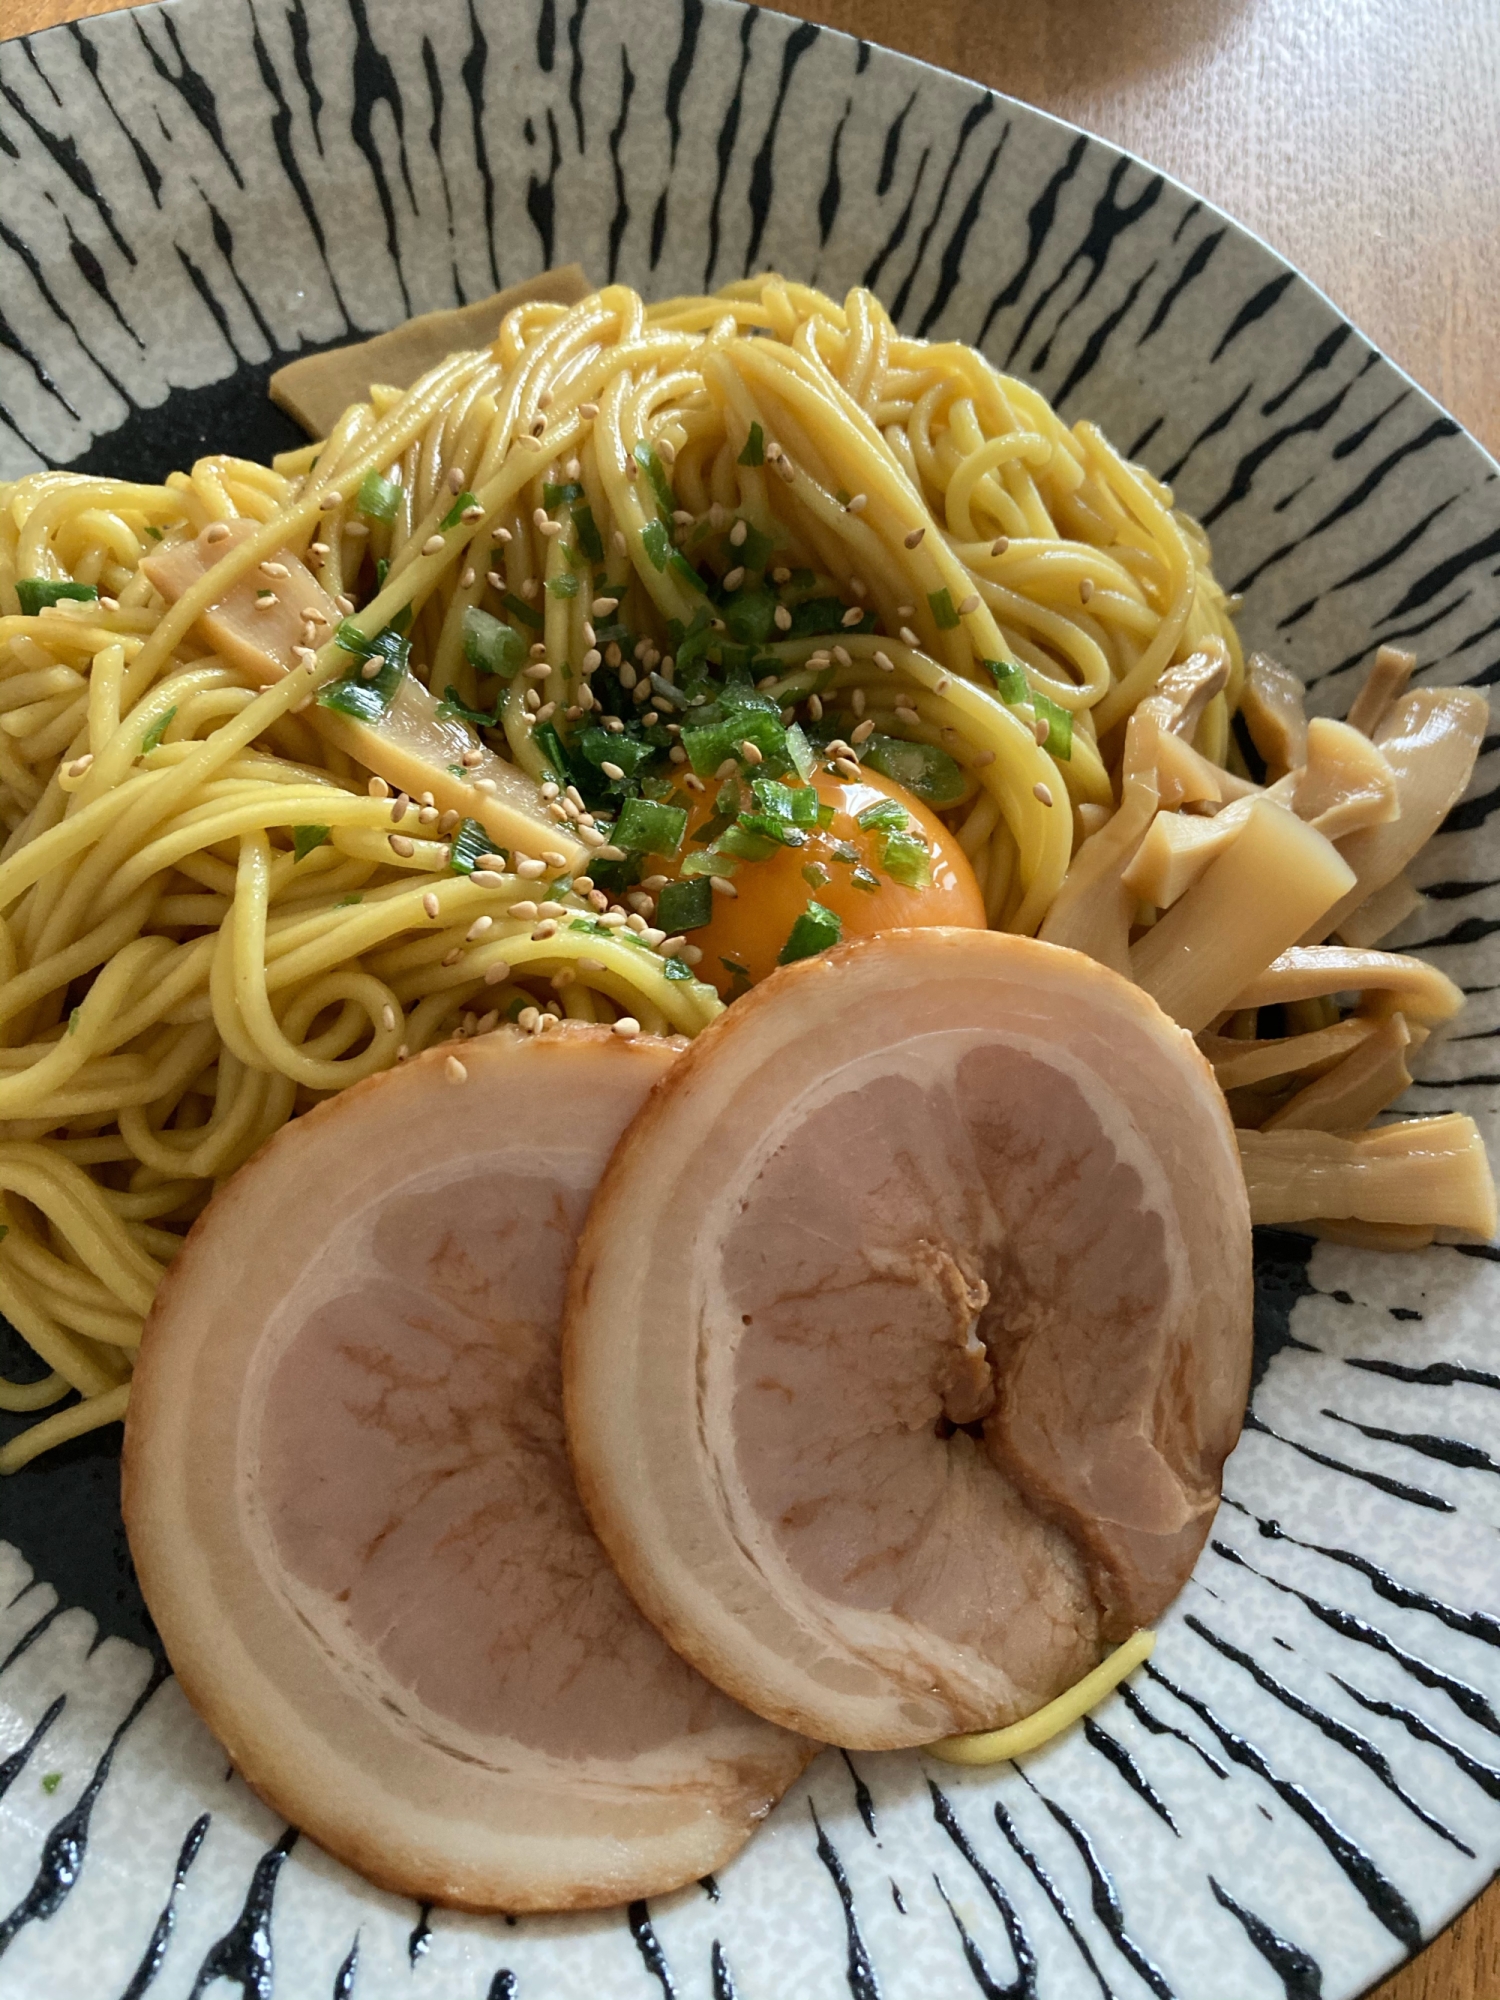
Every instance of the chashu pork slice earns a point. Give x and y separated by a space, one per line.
349 1502
909 1331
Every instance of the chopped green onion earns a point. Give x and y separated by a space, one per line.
748 844
469 841
51 1782
940 603
154 533
546 739
775 800
863 879
157 730
675 968
782 831
706 862
378 498
814 931
456 512
817 615
685 906
564 584
560 496
708 748
884 812
306 838
801 752
1059 721
928 772
453 704
685 570
382 571
519 608
73 1020
597 746
587 531
646 827
655 541
750 616
755 551
489 645
905 859
815 875
36 592
646 458
1009 680
755 447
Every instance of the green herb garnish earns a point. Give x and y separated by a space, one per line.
657 544
564 584
306 838
347 902
647 827
685 906
367 700
157 730
36 592
814 931
51 1782
469 841
928 772
905 859
490 645
560 496
378 497
646 458
519 608
456 512
755 447
940 604
815 875
586 529
884 813
73 1019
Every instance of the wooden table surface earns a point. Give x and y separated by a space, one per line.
1361 138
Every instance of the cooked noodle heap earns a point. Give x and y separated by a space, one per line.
619 520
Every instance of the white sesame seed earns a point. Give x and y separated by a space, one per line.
430 903
452 957
547 928
981 758
80 764
529 870
999 545
455 479
371 669
783 618
528 1019
853 616
524 912
772 452
496 974
735 577
593 659
477 929
356 530
313 548
473 513
401 844
815 707
907 715
1041 729
1086 588
487 878
330 500
864 730
627 1027
539 670
847 768
1041 793
612 770
266 600
432 545
666 451
494 579
621 546
276 569
553 859
609 853
722 886
472 759
588 410
970 605
943 685
694 783
857 503
344 602
909 638
216 531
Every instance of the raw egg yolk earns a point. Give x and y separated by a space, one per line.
842 866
